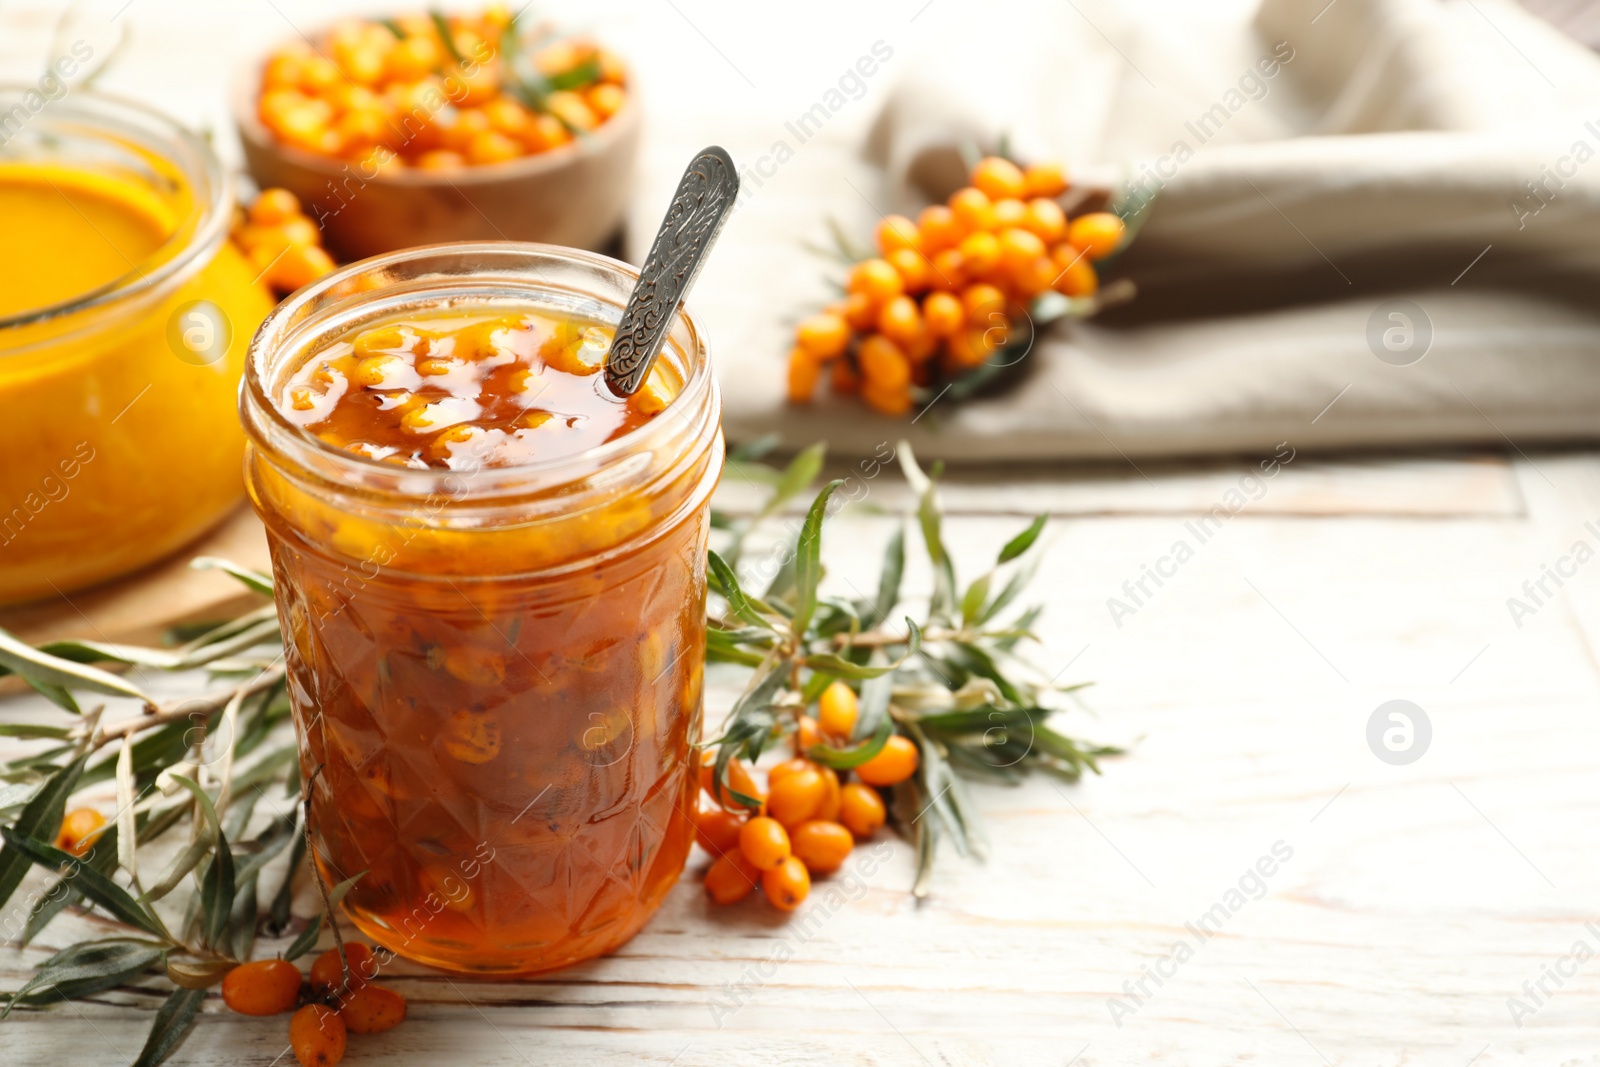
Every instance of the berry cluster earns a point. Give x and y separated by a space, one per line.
945 291
282 244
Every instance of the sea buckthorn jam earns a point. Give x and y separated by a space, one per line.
491 576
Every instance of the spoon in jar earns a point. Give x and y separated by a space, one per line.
702 203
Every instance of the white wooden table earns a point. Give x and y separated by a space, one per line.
1416 901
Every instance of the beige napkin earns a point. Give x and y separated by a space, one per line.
1342 248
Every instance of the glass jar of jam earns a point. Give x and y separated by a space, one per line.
125 314
491 577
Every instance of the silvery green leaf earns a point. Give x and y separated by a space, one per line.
255 580
41 668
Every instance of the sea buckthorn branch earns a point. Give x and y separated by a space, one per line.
958 702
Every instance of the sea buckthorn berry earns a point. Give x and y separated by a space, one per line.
1098 233
413 58
79 829
882 363
822 846
806 733
1044 179
738 780
942 314
264 987
893 764
1009 212
861 809
492 146
1019 247
823 335
318 1036
980 253
731 878
972 210
829 808
1031 279
441 159
787 885
605 99
372 1009
804 372
274 206
327 973
980 302
998 178
913 268
471 737
888 399
900 321
717 830
896 232
795 798
1046 219
298 266
938 229
845 379
1075 274
375 372
782 770
876 279
836 710
860 312
764 842
947 271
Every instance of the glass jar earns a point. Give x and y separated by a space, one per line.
125 315
496 673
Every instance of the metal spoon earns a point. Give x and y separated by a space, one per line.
701 205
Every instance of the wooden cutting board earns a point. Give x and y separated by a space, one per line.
140 607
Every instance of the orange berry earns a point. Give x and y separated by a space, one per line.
787 884
440 159
738 780
790 766
1075 275
971 347
806 734
79 829
900 322
804 371
318 1036
861 809
717 830
883 364
1046 219
1033 278
1019 247
980 253
947 271
731 878
912 267
981 301
372 1009
896 762
1044 179
1098 233
327 973
942 314
844 380
274 206
876 279
888 399
836 710
764 842
972 210
824 335
491 146
264 987
860 312
299 265
822 846
605 99
938 229
829 808
998 178
896 232
795 798
1009 212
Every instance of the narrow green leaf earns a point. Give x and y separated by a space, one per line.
585 73
727 583
808 559
41 668
1019 581
843 759
30 730
41 818
278 911
102 856
216 894
894 566
1024 540
172 1023
973 600
106 962
446 37
90 882
754 450
254 580
308 937
55 694
796 478
243 920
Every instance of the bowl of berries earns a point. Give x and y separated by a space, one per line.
427 128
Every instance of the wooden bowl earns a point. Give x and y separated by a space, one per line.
575 195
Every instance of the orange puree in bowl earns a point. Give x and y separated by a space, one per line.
121 442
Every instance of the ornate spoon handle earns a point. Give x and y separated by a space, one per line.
701 205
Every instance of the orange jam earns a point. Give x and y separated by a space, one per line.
491 573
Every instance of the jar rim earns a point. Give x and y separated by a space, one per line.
177 145
279 328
